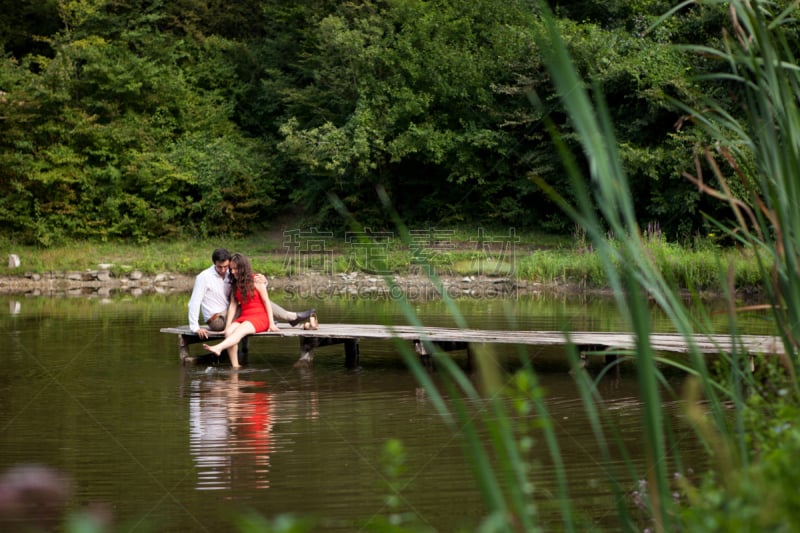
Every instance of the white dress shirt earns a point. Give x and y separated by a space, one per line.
210 295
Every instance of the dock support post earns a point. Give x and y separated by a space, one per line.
351 351
424 357
244 350
307 345
446 346
183 349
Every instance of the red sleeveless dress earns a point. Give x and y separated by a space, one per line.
253 311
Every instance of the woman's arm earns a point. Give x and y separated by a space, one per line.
262 291
232 307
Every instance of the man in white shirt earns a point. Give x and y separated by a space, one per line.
211 295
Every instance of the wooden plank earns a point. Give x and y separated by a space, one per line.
669 342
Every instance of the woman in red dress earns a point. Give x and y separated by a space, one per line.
256 311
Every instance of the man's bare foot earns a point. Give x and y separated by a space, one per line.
211 349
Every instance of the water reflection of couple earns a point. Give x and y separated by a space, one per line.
231 426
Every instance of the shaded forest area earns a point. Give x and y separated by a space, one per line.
145 120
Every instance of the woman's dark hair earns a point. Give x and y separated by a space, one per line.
243 280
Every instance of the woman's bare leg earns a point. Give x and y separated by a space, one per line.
233 355
232 337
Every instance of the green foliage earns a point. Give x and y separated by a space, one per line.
141 120
402 101
252 522
109 137
760 496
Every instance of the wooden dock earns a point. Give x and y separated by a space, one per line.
449 339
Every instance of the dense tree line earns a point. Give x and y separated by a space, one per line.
151 119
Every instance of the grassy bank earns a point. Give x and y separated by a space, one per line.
547 259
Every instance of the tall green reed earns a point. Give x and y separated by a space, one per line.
761 65
759 148
763 151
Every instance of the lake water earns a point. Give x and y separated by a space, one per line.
91 388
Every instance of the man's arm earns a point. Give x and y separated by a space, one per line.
195 302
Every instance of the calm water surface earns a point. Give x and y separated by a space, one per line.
91 387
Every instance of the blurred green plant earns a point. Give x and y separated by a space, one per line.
396 518
252 522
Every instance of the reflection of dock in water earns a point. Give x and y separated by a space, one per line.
449 339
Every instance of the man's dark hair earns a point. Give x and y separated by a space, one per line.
220 254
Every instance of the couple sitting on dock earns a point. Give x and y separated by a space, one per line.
235 300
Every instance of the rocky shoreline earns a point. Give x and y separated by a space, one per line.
311 285
102 282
